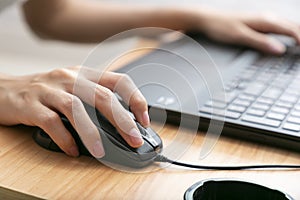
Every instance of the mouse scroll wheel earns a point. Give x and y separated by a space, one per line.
141 129
147 136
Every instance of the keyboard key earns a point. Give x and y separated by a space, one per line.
265 77
237 108
291 127
284 104
242 102
272 93
288 98
276 116
295 113
297 107
248 75
293 90
261 121
280 110
282 80
260 106
295 120
225 97
232 115
255 112
246 97
265 100
255 89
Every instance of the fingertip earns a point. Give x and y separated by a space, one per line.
73 151
276 47
98 150
136 139
145 119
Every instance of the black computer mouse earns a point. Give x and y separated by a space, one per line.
116 149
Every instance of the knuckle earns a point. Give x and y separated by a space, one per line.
104 94
28 94
124 122
125 78
60 73
38 86
49 119
138 102
122 79
69 101
121 120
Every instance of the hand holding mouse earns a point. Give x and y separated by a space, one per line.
38 99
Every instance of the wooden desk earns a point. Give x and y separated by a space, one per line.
28 171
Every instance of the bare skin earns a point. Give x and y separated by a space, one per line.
36 100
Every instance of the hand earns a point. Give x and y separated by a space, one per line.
37 100
248 29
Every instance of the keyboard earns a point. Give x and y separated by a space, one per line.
266 93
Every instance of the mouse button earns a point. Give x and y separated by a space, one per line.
145 148
141 129
147 135
105 124
153 139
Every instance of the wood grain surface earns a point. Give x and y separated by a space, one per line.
27 168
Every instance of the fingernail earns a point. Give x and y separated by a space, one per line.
73 151
136 138
277 47
145 118
98 150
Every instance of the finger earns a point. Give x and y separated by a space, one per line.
260 41
72 107
51 123
107 103
125 87
272 24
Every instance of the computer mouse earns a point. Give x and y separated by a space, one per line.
116 148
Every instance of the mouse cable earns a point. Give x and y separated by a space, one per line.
161 158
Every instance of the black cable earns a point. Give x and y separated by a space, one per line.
161 158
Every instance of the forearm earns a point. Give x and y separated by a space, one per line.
93 21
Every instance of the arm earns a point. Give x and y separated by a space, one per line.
93 21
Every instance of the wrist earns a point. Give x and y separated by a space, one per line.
174 18
191 19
